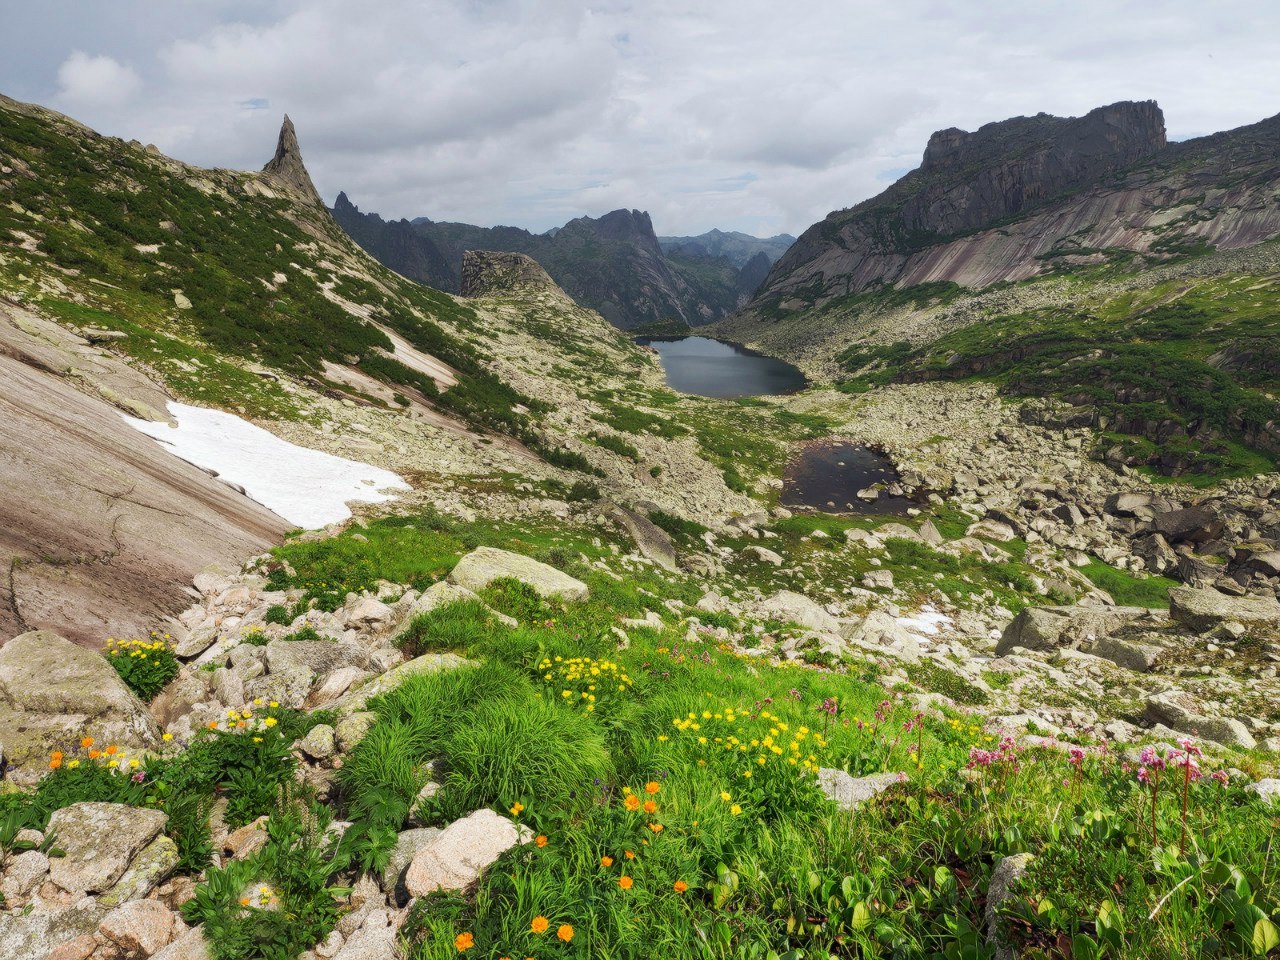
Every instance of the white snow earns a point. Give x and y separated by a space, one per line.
306 487
928 621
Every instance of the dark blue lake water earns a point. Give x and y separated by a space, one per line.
827 475
713 368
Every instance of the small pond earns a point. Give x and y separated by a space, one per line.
714 368
828 475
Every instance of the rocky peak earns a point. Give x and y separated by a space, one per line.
493 272
287 167
344 204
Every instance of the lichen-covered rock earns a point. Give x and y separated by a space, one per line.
189 946
38 932
357 698
151 868
54 692
484 565
849 792
1203 609
319 743
1182 713
1268 789
139 928
353 728
1007 872
1048 628
792 607
100 841
462 851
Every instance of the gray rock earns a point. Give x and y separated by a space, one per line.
353 728
931 534
189 946
92 865
1048 628
878 580
1268 789
863 538
484 565
880 630
24 873
763 554
897 531
1203 609
319 743
652 540
52 691
369 613
989 529
792 607
1130 654
408 843
139 928
455 858
148 870
35 934
1182 713
357 698
1189 525
999 891
849 792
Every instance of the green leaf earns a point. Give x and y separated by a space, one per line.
1265 937
861 916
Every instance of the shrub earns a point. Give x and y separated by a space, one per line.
278 613
144 665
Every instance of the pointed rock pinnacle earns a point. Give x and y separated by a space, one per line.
287 166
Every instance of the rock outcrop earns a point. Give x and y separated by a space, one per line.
287 168
495 273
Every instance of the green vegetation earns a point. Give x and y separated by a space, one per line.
145 666
1129 590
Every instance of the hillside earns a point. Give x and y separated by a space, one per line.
612 264
578 684
1083 259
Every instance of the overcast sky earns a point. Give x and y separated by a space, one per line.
749 115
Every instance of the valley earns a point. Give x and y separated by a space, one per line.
473 624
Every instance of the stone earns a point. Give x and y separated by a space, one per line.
319 743
462 851
369 613
988 529
408 843
763 554
897 531
353 728
483 565
880 630
139 928
1189 525
849 792
24 873
54 691
999 891
81 831
357 698
791 607
37 933
1181 712
441 594
878 580
375 940
148 870
314 656
1130 654
1267 789
1203 609
81 948
1048 628
651 539
335 684
189 946
856 536
931 534
1141 505
243 842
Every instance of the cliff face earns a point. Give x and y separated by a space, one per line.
1017 198
398 244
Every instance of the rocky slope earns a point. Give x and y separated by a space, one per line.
1020 197
612 264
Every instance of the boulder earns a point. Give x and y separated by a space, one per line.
369 613
878 580
880 630
999 891
1130 654
898 531
23 874
189 946
1144 506
849 792
1268 789
139 928
441 594
358 698
408 843
38 932
791 607
763 554
484 565
989 529
319 743
931 534
1203 609
148 870
91 865
1156 553
652 540
863 538
1188 525
54 692
1048 628
455 858
1182 713
353 728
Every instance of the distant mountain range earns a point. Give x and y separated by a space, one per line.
613 264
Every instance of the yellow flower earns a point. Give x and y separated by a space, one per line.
270 722
540 924
726 796
735 809
167 737
516 808
565 932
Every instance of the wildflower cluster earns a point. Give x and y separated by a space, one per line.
759 738
1005 755
258 725
584 680
144 665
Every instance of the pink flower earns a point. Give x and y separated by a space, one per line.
1189 745
1151 759
1077 757
1143 776
1221 777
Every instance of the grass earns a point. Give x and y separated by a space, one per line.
1128 590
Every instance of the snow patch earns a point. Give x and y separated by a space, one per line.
927 621
306 487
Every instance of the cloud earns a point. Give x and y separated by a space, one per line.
94 82
749 114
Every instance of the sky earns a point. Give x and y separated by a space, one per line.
747 115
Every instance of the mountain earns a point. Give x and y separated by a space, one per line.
1025 196
613 264
1083 259
737 248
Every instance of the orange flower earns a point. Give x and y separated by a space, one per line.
565 932
112 750
54 764
94 754
540 840
650 807
628 854
464 942
56 755
679 886
655 827
625 882
540 924
606 861
244 901
86 743
652 787
633 802
212 725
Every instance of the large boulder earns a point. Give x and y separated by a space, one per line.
484 565
1183 713
147 871
1049 628
1189 525
652 540
849 792
53 692
791 607
1144 506
139 928
38 932
462 851
1203 609
99 842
